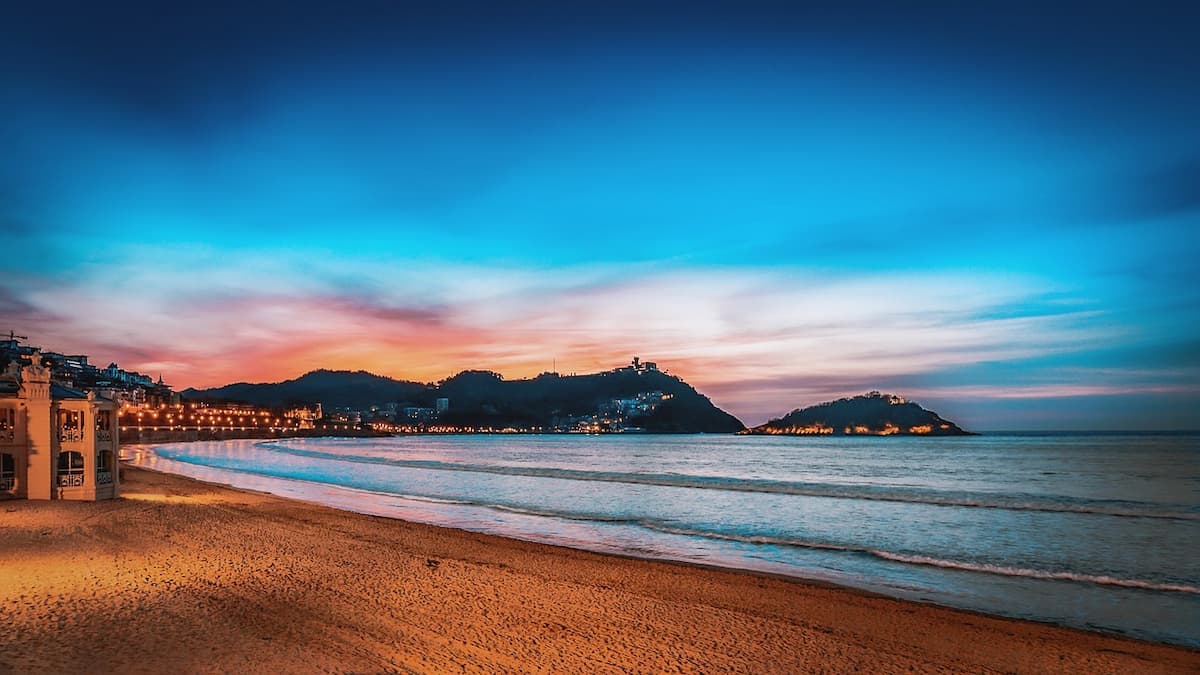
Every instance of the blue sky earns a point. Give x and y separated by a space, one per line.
991 209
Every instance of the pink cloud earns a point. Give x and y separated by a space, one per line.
758 343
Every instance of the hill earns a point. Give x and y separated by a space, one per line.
870 414
331 388
630 397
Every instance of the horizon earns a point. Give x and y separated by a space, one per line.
990 210
1099 430
984 432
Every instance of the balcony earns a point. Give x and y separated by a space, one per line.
103 435
104 477
7 435
70 480
70 435
7 484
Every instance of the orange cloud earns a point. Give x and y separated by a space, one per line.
749 339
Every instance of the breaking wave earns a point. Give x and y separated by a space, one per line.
1014 502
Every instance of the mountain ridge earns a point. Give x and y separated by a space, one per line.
480 398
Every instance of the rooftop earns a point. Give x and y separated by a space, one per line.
60 392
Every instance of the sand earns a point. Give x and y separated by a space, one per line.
183 576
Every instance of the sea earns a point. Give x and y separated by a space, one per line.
1100 532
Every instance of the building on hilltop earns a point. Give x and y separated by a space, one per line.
115 374
638 366
55 442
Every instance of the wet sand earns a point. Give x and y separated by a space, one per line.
183 576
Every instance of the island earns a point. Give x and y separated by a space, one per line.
871 414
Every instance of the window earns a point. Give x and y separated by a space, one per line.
104 425
8 423
104 467
8 471
70 425
70 469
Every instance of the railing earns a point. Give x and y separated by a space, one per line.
67 435
103 435
7 484
70 480
104 477
7 435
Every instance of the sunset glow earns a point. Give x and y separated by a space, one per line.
758 206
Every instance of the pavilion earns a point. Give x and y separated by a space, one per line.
55 442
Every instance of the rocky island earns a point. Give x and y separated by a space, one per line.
871 414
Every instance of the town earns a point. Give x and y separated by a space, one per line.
150 410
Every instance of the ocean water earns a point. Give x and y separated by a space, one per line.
1091 531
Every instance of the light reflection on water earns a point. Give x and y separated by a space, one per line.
1089 531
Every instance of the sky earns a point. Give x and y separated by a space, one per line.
990 208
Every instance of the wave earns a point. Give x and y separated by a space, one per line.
929 561
1037 574
754 539
1013 502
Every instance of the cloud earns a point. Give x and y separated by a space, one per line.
759 342
13 306
16 310
1044 391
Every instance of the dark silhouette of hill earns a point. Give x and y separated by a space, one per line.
331 388
484 398
869 414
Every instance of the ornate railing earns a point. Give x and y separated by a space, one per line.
103 435
7 435
68 435
70 480
7 484
104 477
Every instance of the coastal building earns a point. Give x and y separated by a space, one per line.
116 374
55 442
306 417
419 414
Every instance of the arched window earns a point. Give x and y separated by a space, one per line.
8 471
104 468
70 469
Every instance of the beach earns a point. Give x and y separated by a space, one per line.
184 576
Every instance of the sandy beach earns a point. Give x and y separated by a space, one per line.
183 576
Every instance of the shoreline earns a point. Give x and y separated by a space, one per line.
822 583
780 576
319 587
